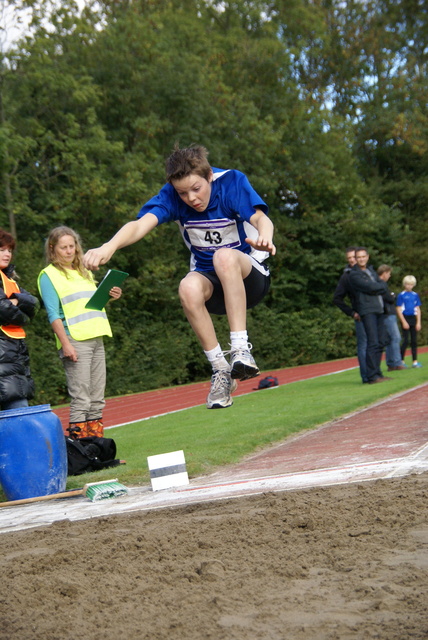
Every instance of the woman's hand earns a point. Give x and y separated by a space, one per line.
69 352
115 292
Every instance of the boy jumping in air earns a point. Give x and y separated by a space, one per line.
224 224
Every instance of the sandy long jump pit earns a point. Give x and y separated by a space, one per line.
340 562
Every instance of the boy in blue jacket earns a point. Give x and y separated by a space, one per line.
409 313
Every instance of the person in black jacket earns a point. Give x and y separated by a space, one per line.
369 289
17 307
393 335
343 290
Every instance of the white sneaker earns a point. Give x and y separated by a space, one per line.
222 386
242 364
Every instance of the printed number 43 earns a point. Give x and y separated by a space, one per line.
213 237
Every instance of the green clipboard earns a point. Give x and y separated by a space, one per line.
112 278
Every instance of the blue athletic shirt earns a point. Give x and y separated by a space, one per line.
408 301
224 223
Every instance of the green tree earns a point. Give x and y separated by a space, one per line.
322 103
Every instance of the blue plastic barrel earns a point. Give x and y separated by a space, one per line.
33 456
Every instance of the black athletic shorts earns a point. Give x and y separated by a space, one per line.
256 285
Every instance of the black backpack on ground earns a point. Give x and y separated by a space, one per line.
269 381
90 454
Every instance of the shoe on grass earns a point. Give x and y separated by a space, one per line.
416 365
380 379
222 386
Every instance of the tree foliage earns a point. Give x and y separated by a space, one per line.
322 103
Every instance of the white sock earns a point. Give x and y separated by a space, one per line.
216 358
239 339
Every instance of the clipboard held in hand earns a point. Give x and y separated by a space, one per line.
113 278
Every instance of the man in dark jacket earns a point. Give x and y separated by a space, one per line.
369 289
343 290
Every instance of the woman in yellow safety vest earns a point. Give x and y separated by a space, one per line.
66 286
17 307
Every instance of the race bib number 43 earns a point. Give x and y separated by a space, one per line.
210 235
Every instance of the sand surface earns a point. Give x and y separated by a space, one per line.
336 563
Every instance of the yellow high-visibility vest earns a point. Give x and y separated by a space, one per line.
74 292
9 287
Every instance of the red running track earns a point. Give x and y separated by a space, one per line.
139 406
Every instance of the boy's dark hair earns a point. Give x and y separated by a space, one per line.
7 240
360 249
384 268
182 162
349 249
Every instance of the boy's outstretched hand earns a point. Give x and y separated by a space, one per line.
264 227
262 244
94 258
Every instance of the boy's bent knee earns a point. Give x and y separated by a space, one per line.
193 288
231 261
225 258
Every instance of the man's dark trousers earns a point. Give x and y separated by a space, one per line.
360 332
375 332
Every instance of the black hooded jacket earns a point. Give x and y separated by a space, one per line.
343 290
16 382
368 289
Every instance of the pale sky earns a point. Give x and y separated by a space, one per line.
12 28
